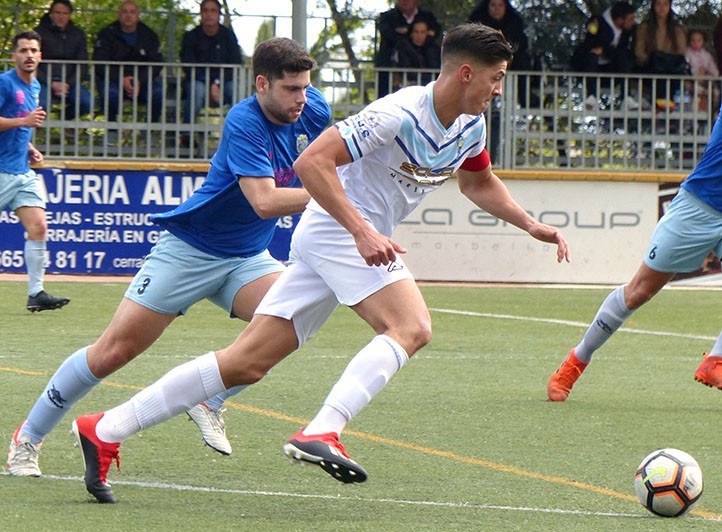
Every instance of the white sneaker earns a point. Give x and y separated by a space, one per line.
23 456
213 429
630 104
591 102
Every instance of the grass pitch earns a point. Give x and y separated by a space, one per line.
462 439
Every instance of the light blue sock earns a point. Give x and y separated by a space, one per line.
717 347
610 317
35 264
216 402
71 382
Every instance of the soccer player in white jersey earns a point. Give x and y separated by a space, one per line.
364 175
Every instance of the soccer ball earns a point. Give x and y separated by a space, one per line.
668 482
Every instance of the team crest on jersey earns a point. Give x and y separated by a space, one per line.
301 142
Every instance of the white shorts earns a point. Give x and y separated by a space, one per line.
325 269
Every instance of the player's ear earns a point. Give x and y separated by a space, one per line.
465 73
262 84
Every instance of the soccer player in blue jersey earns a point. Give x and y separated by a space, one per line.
365 175
214 247
683 238
20 188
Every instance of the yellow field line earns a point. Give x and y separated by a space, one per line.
412 447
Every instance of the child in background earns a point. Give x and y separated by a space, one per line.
703 65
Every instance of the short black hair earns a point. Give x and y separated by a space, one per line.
30 35
217 2
621 9
66 3
476 42
275 57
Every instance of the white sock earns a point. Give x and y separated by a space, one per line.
610 317
35 264
176 392
364 377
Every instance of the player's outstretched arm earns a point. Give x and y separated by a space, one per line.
488 192
269 201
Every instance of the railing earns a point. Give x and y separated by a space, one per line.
542 120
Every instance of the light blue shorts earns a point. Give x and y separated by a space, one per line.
176 275
685 235
21 190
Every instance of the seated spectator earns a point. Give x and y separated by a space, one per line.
606 48
501 15
420 51
132 42
703 65
394 26
62 82
210 43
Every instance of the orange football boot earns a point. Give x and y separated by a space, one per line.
709 371
561 382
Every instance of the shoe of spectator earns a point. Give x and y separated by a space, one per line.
44 301
630 104
591 103
326 451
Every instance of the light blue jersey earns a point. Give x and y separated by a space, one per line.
17 99
218 219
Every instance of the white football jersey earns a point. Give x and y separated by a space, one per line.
401 152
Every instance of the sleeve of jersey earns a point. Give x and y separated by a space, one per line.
477 163
374 127
316 111
247 149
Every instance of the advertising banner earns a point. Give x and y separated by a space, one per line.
99 221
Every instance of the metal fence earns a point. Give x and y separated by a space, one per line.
543 119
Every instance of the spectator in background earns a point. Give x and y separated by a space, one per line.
501 15
61 82
661 42
420 51
394 26
718 42
132 42
703 65
210 43
606 48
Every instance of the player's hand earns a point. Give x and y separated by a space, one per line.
551 234
377 249
34 155
35 117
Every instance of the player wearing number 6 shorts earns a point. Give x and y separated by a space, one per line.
214 247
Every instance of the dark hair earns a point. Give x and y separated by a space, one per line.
670 26
476 42
275 57
217 2
621 9
30 35
66 3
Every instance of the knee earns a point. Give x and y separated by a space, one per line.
637 295
416 336
103 361
37 229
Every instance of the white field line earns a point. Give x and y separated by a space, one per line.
383 500
567 322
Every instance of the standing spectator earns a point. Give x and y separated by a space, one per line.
606 47
394 26
420 51
130 41
501 15
62 82
210 43
20 187
661 42
703 67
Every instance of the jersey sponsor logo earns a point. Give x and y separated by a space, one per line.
363 123
301 142
425 175
19 97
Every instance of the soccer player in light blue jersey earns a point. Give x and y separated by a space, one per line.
365 175
20 188
214 247
687 233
